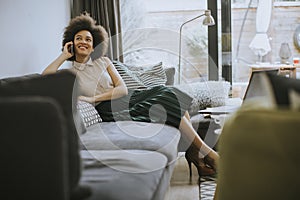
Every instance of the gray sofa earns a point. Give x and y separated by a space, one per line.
127 159
53 155
39 140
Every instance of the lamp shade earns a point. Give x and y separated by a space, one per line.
208 20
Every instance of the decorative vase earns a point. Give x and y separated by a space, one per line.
285 53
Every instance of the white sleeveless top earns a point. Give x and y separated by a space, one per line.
92 77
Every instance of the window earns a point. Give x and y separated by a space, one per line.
284 21
247 1
151 34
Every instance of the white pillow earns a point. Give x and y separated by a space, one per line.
206 94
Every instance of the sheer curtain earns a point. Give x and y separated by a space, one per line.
107 14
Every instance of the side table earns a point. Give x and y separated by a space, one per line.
284 69
205 127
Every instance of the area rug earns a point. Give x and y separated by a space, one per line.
207 187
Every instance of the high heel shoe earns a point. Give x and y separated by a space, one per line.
192 156
211 162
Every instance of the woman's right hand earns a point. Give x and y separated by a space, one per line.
68 50
65 55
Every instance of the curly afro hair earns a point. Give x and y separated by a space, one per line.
86 22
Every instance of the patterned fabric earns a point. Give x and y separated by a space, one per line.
207 187
206 94
130 79
159 104
151 75
88 113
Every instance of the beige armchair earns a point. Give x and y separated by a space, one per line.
260 155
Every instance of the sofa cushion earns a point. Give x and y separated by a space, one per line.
142 77
206 94
132 135
130 79
61 87
119 174
150 75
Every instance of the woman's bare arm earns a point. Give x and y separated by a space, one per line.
53 67
118 91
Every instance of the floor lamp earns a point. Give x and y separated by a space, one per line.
207 21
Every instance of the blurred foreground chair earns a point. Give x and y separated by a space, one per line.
259 150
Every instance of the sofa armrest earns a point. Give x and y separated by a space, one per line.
33 149
62 88
170 74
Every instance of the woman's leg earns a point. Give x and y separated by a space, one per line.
187 115
187 129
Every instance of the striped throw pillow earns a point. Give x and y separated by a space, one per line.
130 79
150 75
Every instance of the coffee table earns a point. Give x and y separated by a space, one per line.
205 125
231 105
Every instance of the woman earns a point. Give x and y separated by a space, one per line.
85 43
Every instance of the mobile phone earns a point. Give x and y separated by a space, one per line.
71 49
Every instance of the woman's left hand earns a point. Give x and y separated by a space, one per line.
87 99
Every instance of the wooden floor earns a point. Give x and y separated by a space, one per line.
180 187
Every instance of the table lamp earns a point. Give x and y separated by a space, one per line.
207 21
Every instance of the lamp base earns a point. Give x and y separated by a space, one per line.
285 61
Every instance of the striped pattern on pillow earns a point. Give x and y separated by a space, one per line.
130 79
151 76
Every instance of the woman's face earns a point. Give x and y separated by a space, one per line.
83 43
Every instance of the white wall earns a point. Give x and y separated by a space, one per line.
31 34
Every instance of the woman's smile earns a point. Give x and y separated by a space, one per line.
83 42
83 47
